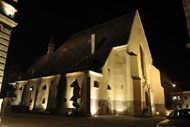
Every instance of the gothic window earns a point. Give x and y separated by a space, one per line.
109 87
96 84
31 100
31 88
43 101
44 87
20 88
142 60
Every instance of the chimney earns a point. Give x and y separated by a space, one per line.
93 43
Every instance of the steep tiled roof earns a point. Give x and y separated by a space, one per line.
75 53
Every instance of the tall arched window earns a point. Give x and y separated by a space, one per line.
142 60
43 101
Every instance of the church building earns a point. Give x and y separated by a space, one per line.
111 64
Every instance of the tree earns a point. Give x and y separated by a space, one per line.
76 94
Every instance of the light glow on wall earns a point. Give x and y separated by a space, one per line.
44 106
95 74
31 106
93 109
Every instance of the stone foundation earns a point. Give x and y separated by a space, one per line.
158 108
103 107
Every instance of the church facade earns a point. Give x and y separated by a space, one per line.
111 64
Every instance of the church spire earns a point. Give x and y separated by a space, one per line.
50 47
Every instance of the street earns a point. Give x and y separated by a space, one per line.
28 120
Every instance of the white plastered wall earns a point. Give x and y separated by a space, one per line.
70 78
158 90
19 88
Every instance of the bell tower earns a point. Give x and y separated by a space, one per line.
8 8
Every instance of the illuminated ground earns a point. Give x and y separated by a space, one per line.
24 120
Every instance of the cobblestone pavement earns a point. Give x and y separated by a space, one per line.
26 120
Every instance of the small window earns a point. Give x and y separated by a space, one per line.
187 106
20 88
43 101
185 97
96 84
178 97
31 100
31 88
44 87
109 87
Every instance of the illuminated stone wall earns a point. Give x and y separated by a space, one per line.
126 83
39 93
82 78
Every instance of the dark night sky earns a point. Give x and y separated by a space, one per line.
164 24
